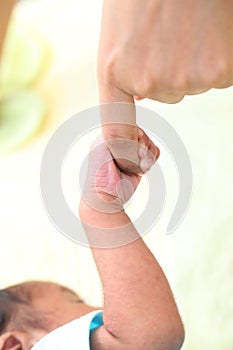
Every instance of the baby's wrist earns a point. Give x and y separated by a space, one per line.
101 201
104 230
102 219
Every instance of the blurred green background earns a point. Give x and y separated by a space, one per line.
48 73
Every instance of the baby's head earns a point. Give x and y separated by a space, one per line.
30 310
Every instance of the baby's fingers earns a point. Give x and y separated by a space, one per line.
148 152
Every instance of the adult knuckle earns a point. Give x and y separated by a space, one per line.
214 71
106 67
144 86
175 86
178 84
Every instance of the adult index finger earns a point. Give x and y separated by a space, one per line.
118 118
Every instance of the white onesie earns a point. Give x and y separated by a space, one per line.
74 335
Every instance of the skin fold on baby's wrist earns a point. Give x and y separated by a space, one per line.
106 230
101 201
101 219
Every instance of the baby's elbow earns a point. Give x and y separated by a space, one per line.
177 338
166 336
172 337
169 336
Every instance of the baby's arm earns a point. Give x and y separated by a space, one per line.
139 308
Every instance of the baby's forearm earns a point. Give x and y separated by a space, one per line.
139 309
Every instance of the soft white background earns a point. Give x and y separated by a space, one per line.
197 257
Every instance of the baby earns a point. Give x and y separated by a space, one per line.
139 311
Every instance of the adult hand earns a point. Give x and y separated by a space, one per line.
162 50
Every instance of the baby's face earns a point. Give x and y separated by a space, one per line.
59 304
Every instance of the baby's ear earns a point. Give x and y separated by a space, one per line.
14 341
17 340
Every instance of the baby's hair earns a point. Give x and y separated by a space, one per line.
15 310
9 303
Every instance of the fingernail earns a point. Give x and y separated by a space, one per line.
140 133
146 164
149 163
142 151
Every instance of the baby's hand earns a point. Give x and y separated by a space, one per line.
133 157
147 151
107 187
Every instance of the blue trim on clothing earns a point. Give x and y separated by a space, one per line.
97 321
